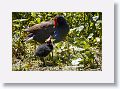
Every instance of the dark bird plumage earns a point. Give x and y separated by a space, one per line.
40 32
61 29
58 28
44 49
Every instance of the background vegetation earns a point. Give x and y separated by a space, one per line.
80 51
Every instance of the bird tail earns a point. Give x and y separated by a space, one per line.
29 37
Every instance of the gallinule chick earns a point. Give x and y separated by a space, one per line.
44 49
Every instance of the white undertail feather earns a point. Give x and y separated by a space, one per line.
28 39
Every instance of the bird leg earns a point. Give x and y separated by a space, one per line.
44 63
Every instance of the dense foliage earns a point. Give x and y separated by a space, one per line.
81 50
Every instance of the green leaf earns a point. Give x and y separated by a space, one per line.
38 20
33 14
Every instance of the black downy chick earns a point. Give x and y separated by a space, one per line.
44 49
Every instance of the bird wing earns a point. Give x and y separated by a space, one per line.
41 26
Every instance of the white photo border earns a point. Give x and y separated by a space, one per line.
104 76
